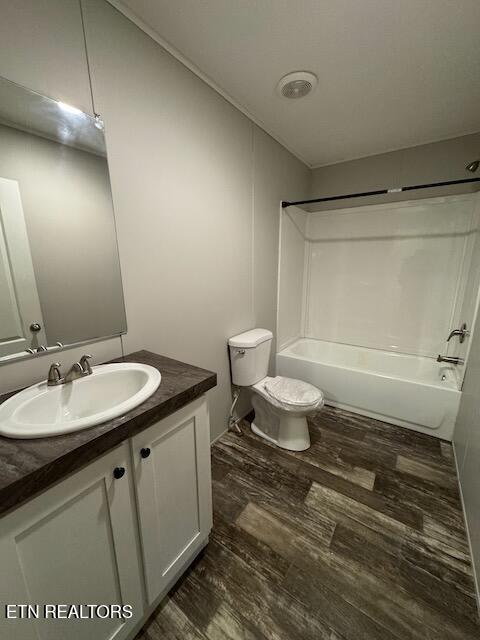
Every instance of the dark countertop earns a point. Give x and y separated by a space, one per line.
27 467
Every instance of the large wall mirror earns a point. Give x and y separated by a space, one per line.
60 280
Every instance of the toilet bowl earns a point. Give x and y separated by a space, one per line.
281 404
281 408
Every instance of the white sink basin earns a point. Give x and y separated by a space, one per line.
111 390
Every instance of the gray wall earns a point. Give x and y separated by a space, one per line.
196 186
42 47
467 446
436 162
197 207
69 216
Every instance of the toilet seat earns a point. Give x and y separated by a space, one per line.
290 394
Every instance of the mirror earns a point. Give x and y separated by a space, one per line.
60 281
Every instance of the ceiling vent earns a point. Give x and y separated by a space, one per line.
297 84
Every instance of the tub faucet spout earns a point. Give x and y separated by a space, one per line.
450 360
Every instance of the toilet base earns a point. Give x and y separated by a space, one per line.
282 429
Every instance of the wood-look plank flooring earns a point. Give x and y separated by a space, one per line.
359 538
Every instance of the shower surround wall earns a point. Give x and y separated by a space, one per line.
367 298
291 276
389 276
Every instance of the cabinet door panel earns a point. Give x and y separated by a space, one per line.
75 544
173 492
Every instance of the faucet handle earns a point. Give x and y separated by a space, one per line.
85 364
54 374
462 333
451 360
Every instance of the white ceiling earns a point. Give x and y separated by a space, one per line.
392 73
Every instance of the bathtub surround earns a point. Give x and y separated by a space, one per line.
291 280
361 536
377 289
471 299
196 185
388 276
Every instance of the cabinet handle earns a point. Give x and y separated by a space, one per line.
145 452
118 472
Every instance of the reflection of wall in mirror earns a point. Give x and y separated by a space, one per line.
68 212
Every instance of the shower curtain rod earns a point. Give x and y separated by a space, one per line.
379 192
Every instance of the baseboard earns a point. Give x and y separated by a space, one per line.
465 517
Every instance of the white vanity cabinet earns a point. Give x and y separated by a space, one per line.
118 532
172 480
74 544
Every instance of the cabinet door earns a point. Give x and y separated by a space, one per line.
74 544
173 492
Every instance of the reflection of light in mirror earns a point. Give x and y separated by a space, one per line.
68 108
65 134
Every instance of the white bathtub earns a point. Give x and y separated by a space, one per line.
405 390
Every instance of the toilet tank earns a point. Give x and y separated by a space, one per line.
249 356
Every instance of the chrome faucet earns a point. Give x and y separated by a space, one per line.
77 370
462 332
74 373
54 375
85 364
450 360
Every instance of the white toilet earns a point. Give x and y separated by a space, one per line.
281 404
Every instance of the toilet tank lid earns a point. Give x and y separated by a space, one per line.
250 339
